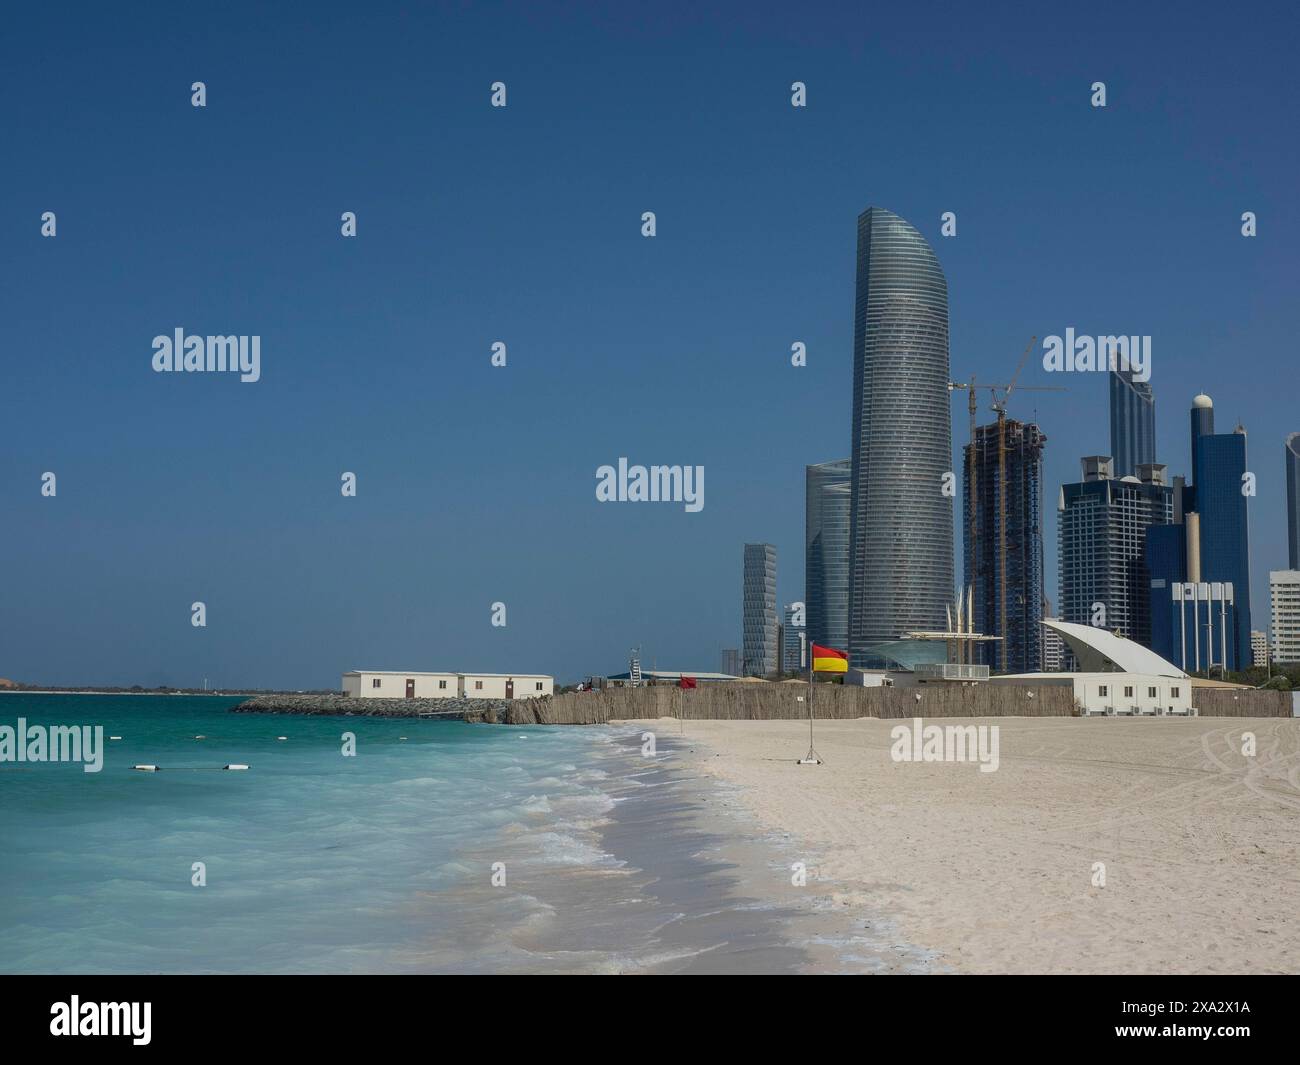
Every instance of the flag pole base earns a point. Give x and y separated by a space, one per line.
811 758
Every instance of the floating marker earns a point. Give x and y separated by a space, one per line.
200 737
281 737
114 737
146 768
234 765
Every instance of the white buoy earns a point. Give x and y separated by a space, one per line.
234 765
200 737
281 737
114 737
146 768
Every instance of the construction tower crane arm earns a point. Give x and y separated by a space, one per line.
1016 376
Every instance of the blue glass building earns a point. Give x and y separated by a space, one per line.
1224 537
1166 563
758 611
1132 423
826 553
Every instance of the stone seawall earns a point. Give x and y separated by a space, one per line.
471 709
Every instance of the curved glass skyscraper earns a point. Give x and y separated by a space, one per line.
900 561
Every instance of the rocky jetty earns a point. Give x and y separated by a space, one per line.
347 706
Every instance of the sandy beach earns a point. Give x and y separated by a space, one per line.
995 871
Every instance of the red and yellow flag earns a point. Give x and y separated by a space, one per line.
829 660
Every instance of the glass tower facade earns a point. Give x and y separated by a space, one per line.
758 613
1225 555
826 553
1102 527
1132 423
900 534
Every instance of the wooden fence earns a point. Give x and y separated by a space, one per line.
774 702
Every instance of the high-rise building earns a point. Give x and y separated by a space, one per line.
1293 500
794 633
1258 649
1101 531
1199 570
1132 422
1202 419
900 536
1224 534
1284 591
732 664
1006 526
1053 650
758 614
826 553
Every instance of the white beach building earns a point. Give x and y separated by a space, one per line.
1116 675
393 684
506 685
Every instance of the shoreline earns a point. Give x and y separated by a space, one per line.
997 872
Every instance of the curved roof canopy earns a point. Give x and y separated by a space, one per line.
1099 651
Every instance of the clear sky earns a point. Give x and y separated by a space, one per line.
477 224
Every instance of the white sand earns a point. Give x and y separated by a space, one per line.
995 870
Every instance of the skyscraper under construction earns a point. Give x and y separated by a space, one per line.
1003 534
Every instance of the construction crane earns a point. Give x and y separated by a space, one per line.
999 405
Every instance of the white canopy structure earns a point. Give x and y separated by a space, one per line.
1099 651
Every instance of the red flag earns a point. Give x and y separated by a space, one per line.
686 682
829 660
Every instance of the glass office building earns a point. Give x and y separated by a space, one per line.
758 611
1102 526
1224 546
1132 423
826 553
900 535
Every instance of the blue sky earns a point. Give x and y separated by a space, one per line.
522 224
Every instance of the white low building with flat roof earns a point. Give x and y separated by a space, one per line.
389 684
394 684
506 685
1116 676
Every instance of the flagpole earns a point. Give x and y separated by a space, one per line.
811 758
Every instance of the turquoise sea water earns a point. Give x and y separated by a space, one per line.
315 862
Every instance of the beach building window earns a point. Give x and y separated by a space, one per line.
1101 690
374 682
539 685
1173 692
478 685
1128 691
442 684
1151 693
